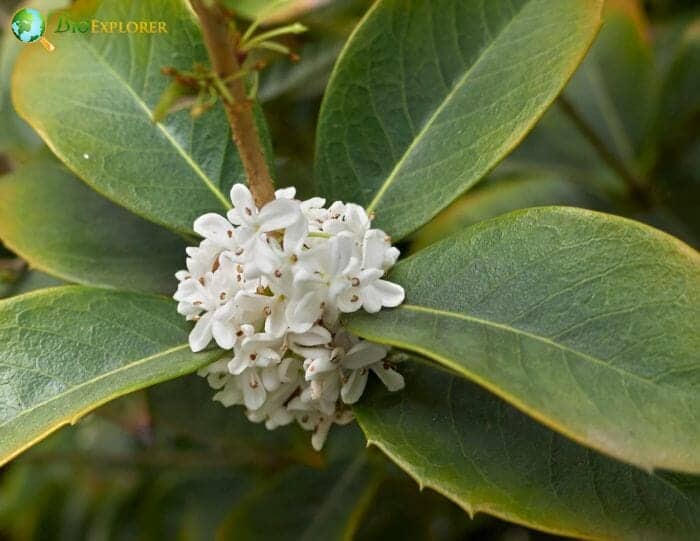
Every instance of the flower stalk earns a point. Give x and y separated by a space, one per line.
221 42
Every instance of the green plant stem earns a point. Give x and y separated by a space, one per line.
221 46
248 44
636 188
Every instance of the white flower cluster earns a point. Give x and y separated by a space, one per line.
270 284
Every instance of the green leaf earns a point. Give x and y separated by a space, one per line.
587 322
680 95
677 172
64 351
425 100
306 78
616 86
253 9
557 147
488 457
503 195
93 101
613 92
33 280
59 225
306 505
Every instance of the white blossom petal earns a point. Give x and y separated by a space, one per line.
321 433
270 285
363 354
214 226
286 193
201 335
354 386
390 377
279 214
243 203
253 390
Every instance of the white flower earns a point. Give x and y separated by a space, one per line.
270 284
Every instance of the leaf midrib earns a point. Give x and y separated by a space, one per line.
142 105
536 337
126 367
448 98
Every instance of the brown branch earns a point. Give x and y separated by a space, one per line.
220 43
14 265
636 188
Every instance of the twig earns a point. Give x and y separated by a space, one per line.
636 187
221 45
14 265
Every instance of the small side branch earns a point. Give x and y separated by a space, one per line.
221 45
636 188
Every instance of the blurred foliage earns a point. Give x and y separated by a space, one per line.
171 464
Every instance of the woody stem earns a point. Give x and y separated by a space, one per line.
221 46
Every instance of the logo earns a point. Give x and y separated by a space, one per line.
28 26
98 26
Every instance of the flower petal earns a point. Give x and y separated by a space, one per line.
373 247
230 395
200 336
253 390
214 226
354 387
364 354
224 333
315 336
321 433
242 200
279 214
286 193
270 378
390 293
390 377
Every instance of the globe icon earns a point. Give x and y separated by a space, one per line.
28 25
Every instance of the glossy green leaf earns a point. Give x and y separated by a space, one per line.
302 79
464 442
65 351
306 505
253 9
613 92
615 88
93 102
501 196
428 96
587 322
33 280
677 168
61 226
556 146
680 95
